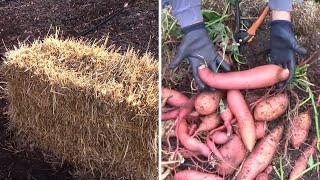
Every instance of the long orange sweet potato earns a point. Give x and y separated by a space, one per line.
195 175
233 153
301 163
271 108
299 129
258 77
240 110
261 156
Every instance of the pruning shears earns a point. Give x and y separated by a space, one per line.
243 36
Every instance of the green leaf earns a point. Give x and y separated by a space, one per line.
209 15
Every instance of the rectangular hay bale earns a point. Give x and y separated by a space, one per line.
88 104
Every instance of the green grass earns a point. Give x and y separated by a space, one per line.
216 27
279 170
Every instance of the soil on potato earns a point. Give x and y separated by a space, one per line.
27 20
256 53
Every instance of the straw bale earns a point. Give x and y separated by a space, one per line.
86 103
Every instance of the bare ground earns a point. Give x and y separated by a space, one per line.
25 21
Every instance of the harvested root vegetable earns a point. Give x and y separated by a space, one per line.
216 138
220 137
271 108
191 144
265 174
258 77
240 110
261 128
193 116
261 156
195 175
226 115
208 123
173 97
299 129
302 163
171 115
233 153
207 102
187 108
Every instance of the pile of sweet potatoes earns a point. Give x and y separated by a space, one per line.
218 129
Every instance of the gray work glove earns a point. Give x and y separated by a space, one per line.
197 47
283 46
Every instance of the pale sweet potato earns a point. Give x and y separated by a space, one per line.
261 156
240 110
265 174
233 153
261 128
208 122
218 137
195 175
191 144
170 115
271 108
173 97
299 129
226 115
301 163
207 102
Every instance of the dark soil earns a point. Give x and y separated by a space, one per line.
27 20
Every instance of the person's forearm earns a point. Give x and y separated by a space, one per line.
281 15
187 12
281 9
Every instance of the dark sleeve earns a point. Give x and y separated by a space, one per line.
187 12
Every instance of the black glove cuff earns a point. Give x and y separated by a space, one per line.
192 27
283 23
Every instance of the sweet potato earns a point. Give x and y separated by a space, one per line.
299 129
258 77
226 115
218 137
301 163
195 175
174 98
187 108
261 156
233 153
208 122
261 128
240 110
170 115
207 102
191 144
265 174
271 108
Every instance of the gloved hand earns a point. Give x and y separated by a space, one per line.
198 49
283 46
